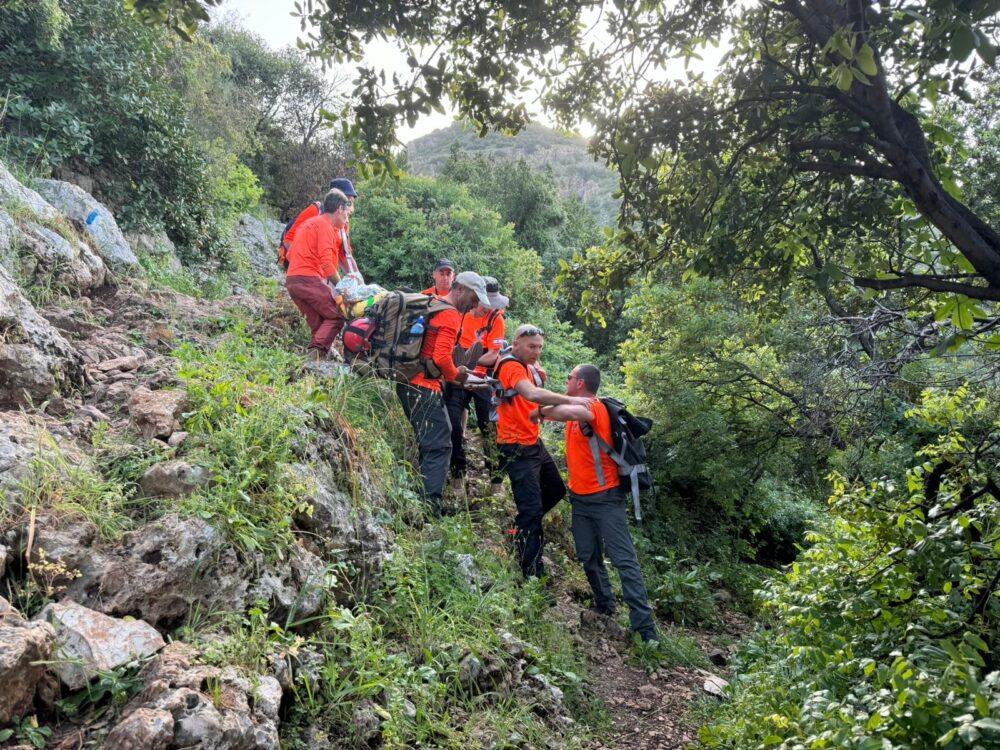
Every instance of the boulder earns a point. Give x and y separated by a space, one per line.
35 360
95 219
23 647
158 247
173 479
22 438
161 572
88 642
156 413
14 194
49 258
260 238
340 526
295 588
143 729
209 707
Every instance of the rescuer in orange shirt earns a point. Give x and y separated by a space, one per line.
534 479
444 276
422 397
600 524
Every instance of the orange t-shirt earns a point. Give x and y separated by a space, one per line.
310 212
432 291
476 329
514 424
580 458
314 250
307 213
439 345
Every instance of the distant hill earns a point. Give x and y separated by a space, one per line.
574 170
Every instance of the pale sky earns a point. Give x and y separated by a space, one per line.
271 20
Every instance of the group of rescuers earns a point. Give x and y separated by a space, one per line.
318 250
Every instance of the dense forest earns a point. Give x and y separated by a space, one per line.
794 273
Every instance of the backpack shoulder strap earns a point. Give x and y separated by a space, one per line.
509 393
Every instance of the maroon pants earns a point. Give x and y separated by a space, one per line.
313 298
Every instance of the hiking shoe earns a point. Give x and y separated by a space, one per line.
314 356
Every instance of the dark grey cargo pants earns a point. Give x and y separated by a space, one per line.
425 410
600 526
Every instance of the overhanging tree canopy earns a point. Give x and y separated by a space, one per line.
819 101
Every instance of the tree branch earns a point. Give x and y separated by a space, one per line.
933 283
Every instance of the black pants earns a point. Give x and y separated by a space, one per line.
538 487
457 400
425 410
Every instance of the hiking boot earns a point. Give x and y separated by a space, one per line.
314 356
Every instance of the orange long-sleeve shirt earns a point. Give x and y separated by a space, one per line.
439 344
314 250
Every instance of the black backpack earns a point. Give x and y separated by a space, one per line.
628 450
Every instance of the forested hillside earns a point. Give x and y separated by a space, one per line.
574 170
208 539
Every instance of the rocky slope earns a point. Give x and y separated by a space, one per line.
198 542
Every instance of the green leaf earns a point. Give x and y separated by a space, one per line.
866 60
843 79
963 41
982 705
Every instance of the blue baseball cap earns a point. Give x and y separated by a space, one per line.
343 184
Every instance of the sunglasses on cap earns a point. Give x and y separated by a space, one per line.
531 331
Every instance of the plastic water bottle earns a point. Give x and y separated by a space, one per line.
92 217
418 327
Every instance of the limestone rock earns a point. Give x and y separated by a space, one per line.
260 238
89 642
44 250
160 572
13 193
143 729
23 645
22 438
209 707
35 359
156 413
715 686
158 247
296 588
95 219
341 526
173 479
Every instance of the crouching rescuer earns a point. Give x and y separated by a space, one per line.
600 523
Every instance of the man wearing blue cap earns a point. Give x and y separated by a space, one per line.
344 251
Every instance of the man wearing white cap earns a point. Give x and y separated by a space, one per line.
422 397
481 340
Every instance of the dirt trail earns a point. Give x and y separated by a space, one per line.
648 710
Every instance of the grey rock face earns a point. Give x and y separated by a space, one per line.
14 194
208 707
158 247
341 526
296 587
173 479
49 258
95 220
22 646
88 642
34 357
162 572
261 241
143 729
